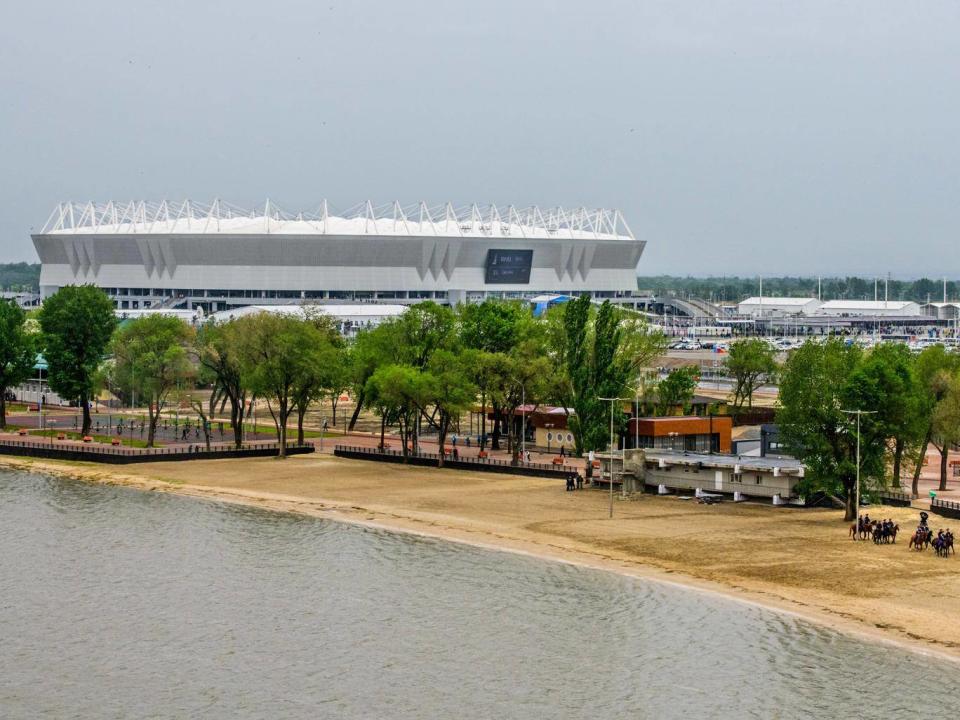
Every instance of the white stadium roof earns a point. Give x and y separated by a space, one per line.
799 301
866 305
188 217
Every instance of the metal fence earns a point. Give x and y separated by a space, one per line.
891 497
947 508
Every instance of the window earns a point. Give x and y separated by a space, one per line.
759 479
737 477
549 437
569 437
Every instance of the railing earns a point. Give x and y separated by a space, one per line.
463 463
947 508
119 454
891 497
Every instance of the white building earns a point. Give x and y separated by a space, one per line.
216 256
872 308
941 310
765 306
349 318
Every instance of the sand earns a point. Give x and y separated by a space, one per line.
792 560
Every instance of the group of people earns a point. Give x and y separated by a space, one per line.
574 481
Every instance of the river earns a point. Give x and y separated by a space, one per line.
118 603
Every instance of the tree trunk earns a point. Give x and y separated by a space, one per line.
919 468
152 417
850 512
301 411
334 399
236 420
897 461
3 407
283 414
441 438
944 452
85 404
495 441
483 420
383 429
356 411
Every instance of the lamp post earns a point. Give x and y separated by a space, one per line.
856 514
611 400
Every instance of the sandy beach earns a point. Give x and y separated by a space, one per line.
797 561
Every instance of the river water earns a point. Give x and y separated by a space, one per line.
117 603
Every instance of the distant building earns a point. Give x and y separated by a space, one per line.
759 307
696 434
873 308
728 474
941 310
350 319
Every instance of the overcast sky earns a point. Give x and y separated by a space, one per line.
736 137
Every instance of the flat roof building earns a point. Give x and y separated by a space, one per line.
758 306
873 308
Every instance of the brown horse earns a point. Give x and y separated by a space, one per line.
920 540
865 531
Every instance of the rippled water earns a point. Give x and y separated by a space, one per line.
122 604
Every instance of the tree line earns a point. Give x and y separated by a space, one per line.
418 373
735 289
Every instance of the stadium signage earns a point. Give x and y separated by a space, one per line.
508 267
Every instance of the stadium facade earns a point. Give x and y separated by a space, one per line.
217 256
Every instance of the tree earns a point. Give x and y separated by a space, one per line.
218 350
933 367
151 359
446 386
372 348
276 355
945 421
525 372
599 354
818 383
750 362
889 370
677 388
77 323
399 390
18 352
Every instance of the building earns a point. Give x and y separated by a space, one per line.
666 471
350 319
217 256
941 310
872 308
778 306
695 434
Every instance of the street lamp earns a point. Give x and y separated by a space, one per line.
611 400
856 515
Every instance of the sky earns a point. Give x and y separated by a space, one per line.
814 137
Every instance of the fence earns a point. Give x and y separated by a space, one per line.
433 460
125 456
898 499
947 508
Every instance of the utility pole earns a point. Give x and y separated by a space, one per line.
612 400
856 515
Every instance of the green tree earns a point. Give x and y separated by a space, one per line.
818 383
373 348
446 387
18 352
933 367
77 323
278 352
945 420
218 349
599 354
751 363
677 388
399 390
151 359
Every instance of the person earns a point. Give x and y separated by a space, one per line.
468 441
579 481
569 482
563 450
456 453
527 457
453 440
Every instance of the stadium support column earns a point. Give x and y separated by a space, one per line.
456 297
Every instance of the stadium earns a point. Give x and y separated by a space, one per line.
217 256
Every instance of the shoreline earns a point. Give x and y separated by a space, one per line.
398 521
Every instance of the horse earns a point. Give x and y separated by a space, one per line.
884 534
861 530
943 545
920 540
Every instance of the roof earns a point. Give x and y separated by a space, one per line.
799 301
368 310
188 217
745 462
866 304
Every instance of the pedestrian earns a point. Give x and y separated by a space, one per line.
456 453
468 441
579 481
563 449
453 440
